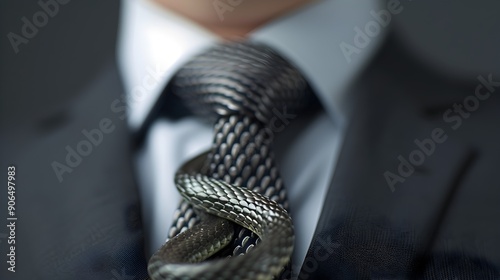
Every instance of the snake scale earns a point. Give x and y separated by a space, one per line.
244 207
241 85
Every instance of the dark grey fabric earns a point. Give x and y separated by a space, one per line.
86 226
442 221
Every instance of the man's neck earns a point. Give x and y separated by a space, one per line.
231 18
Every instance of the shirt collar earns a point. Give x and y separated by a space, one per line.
154 43
312 38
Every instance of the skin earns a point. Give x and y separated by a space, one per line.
244 16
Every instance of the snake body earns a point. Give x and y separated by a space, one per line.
245 87
251 210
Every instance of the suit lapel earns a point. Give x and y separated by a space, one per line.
397 172
83 219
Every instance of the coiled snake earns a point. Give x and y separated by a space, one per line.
177 258
242 85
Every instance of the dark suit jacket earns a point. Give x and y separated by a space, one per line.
415 194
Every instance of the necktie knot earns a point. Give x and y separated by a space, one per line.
242 85
240 78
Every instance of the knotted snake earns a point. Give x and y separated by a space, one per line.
179 258
243 85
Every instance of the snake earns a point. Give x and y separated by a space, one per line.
185 255
240 85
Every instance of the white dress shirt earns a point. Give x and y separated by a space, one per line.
154 43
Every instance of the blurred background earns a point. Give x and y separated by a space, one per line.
58 63
53 66
66 53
